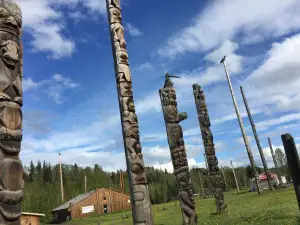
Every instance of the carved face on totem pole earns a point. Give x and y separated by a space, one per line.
11 171
115 15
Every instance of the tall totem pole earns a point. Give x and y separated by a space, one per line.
11 182
178 152
207 137
140 200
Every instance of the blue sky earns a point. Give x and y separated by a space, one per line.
70 98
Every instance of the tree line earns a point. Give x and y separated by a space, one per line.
42 183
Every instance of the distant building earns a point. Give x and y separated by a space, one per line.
99 202
31 218
263 181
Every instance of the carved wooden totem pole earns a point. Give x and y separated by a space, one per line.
207 137
11 169
140 200
178 152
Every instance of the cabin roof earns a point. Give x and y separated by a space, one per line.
80 198
74 201
32 214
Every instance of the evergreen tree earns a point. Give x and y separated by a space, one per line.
31 172
39 168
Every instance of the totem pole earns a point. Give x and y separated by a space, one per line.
293 162
11 182
207 137
262 156
140 200
178 152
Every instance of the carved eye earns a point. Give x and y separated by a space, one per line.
4 50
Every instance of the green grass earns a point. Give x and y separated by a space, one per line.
279 207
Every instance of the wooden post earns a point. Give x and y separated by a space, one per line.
236 182
122 181
61 180
248 149
293 162
275 162
178 153
85 183
226 187
11 73
262 156
200 179
209 146
140 199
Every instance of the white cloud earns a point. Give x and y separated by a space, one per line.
169 166
54 87
215 72
150 103
46 26
95 5
263 125
133 31
241 140
44 20
29 84
147 66
234 19
280 74
67 82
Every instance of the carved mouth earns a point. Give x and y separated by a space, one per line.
10 212
10 146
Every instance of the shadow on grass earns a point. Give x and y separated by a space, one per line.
298 220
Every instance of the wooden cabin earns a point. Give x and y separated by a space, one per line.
31 218
96 202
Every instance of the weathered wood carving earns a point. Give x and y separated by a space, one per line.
141 207
178 152
209 147
11 169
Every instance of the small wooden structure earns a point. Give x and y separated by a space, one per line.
99 202
31 218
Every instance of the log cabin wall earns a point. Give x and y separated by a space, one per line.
76 209
30 218
115 201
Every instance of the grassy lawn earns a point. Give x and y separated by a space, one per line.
279 207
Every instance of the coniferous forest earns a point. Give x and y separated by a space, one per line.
42 191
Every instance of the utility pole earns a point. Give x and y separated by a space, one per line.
85 183
236 182
226 187
249 152
61 180
275 162
263 159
